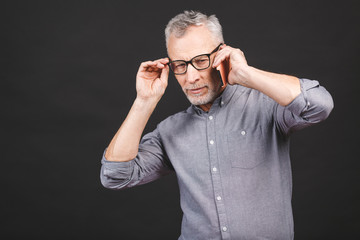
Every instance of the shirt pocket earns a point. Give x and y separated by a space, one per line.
245 148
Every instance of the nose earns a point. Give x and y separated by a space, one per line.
192 74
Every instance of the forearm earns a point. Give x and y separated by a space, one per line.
280 87
124 145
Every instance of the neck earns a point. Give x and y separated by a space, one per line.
206 107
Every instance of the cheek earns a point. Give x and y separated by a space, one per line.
208 75
181 80
214 75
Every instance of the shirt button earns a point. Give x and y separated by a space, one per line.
243 133
222 103
211 117
218 198
211 142
224 229
214 169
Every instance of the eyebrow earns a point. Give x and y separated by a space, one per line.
213 51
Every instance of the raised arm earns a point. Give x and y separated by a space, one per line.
151 82
302 102
282 88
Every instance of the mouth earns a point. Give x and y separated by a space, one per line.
196 91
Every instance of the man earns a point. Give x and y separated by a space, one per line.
230 148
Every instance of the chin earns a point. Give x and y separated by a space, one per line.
200 100
208 97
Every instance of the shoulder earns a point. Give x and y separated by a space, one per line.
251 96
173 121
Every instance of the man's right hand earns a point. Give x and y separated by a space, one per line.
151 82
152 79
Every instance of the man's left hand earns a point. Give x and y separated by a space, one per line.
238 67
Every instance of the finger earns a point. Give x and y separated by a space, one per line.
224 54
222 46
220 57
151 66
160 63
147 64
164 60
165 74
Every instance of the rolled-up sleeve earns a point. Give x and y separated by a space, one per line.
150 164
313 105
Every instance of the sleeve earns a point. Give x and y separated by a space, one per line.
313 105
150 164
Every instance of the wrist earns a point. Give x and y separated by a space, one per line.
244 76
146 103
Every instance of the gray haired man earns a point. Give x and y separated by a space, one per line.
230 148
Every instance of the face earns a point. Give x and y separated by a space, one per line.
201 87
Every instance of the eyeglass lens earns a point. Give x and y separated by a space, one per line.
199 62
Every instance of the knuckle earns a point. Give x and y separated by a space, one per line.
146 63
240 52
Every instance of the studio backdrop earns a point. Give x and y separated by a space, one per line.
68 80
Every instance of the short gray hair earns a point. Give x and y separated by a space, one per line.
178 25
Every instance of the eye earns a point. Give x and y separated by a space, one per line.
201 61
179 65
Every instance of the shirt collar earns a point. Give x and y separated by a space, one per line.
220 101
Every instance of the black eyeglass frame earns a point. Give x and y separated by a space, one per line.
190 61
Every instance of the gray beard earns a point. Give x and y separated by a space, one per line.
202 100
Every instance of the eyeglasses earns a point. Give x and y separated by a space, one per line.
199 62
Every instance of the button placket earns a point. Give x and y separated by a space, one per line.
216 176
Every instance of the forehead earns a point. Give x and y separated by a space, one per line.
196 40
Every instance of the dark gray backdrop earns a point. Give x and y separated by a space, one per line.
68 80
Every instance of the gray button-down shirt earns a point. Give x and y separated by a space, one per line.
232 163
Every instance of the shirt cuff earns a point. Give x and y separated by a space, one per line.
301 102
115 169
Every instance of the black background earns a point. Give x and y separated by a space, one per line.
68 80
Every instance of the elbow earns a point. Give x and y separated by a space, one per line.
112 184
328 107
110 180
320 108
107 182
